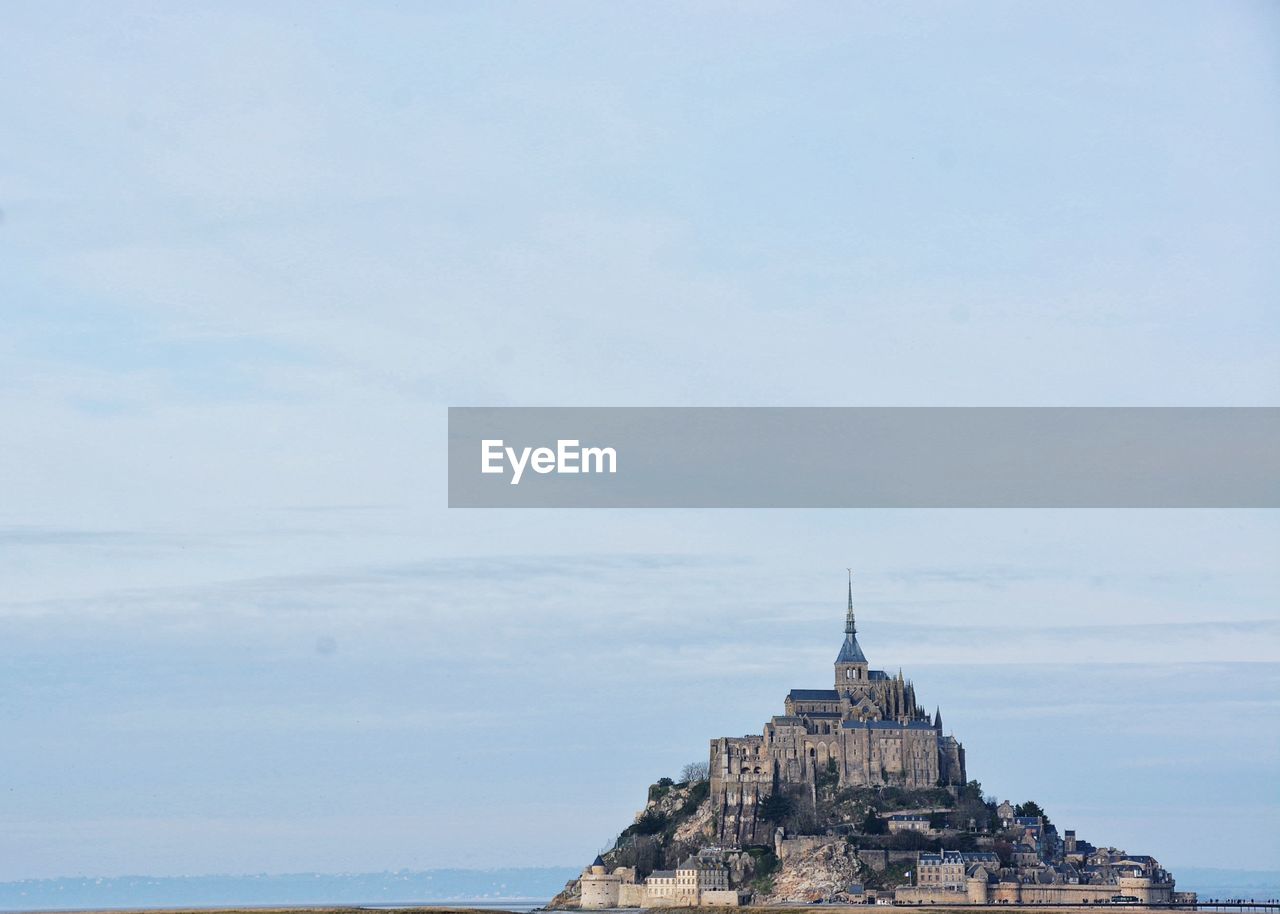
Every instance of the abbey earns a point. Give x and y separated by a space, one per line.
868 729
833 800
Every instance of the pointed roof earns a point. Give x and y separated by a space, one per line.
850 652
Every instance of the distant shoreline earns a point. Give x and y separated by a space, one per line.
503 908
517 908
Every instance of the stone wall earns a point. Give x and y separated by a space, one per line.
630 895
1143 889
788 848
929 894
741 778
721 898
876 859
600 891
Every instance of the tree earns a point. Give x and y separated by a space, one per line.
694 772
765 864
908 840
698 792
650 822
873 824
973 810
777 808
1004 850
1031 808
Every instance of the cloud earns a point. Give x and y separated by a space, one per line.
45 536
249 258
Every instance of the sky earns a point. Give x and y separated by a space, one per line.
250 254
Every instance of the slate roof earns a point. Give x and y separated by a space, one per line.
813 695
850 652
945 857
663 874
871 725
887 725
698 863
878 675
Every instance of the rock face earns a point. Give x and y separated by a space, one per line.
696 828
822 873
677 820
569 899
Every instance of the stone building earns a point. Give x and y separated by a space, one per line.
1111 876
946 869
908 822
868 729
700 880
601 889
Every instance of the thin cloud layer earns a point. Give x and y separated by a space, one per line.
248 257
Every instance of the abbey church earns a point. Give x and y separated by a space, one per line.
868 729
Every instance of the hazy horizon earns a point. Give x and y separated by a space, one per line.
433 887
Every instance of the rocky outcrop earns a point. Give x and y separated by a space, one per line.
821 873
569 899
697 827
676 821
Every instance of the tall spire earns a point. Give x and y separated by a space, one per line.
850 652
849 627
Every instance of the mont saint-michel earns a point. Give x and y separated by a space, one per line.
854 793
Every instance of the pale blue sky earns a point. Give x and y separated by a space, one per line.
249 255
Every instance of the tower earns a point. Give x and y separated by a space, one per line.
851 664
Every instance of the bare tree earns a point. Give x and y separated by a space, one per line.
694 772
